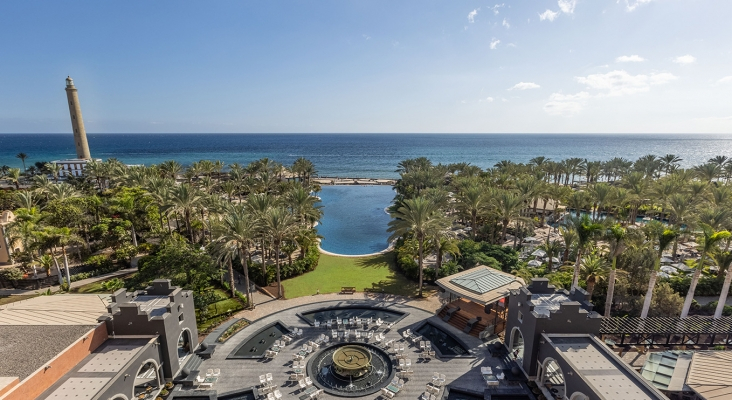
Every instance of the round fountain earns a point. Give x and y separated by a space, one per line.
351 361
351 370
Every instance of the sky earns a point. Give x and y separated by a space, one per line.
382 66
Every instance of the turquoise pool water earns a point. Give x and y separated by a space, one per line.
354 221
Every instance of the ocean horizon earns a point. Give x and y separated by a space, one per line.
369 155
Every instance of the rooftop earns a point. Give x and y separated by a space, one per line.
65 309
89 376
481 284
152 305
710 374
607 375
548 302
25 348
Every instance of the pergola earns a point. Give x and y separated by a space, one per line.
695 330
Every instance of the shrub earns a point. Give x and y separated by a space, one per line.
125 253
99 261
12 273
113 284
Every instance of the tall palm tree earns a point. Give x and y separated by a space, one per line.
552 250
586 231
443 244
508 206
660 237
22 157
615 236
473 201
710 239
236 232
724 261
421 218
278 225
185 199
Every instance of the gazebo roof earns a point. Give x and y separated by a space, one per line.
481 284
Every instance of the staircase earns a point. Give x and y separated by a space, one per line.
459 320
190 371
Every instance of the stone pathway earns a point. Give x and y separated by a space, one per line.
269 306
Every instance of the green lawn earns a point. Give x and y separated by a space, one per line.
376 272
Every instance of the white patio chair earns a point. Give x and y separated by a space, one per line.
407 363
301 384
270 396
310 349
326 339
401 363
217 372
262 379
317 323
308 382
441 381
293 378
269 377
277 394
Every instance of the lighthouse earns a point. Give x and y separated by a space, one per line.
75 166
77 122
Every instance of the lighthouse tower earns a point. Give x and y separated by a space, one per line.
77 122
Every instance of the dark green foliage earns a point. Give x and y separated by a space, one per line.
298 267
707 286
176 259
483 253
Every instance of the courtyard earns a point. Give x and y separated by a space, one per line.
306 337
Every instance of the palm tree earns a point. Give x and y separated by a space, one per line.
508 206
278 225
615 236
586 231
184 198
593 269
724 261
421 218
552 250
473 201
125 205
54 169
14 177
669 162
46 262
236 232
22 157
569 236
662 237
443 245
709 241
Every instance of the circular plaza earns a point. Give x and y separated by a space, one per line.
335 347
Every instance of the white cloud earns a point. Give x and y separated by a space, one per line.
632 6
365 36
617 83
472 14
494 43
567 6
633 58
725 80
687 59
662 78
506 24
524 86
511 45
548 14
487 99
496 7
566 105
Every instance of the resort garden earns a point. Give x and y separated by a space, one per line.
642 237
639 236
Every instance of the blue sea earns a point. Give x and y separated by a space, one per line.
362 155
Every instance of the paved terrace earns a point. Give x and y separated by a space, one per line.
239 374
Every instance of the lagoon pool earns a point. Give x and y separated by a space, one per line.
354 221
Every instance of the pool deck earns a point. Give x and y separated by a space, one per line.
241 373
